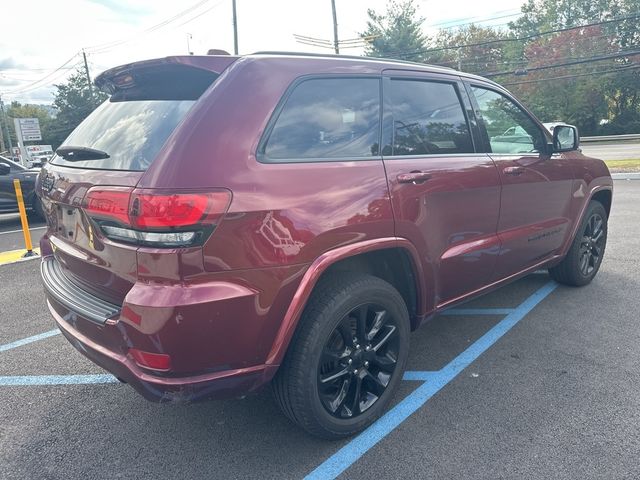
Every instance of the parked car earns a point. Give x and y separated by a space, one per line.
222 223
551 125
511 140
10 170
37 162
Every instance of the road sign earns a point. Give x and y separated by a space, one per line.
29 129
39 149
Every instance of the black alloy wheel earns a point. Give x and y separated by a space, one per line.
592 244
582 262
358 360
347 356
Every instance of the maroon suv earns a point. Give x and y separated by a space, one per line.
221 223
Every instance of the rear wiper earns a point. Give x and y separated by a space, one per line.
75 154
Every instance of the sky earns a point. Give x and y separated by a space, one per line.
42 39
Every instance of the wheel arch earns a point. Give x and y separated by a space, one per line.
603 193
393 259
605 197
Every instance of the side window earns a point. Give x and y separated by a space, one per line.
509 128
327 118
428 119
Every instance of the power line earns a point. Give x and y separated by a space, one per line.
32 86
517 39
597 58
575 75
101 48
200 14
106 47
475 22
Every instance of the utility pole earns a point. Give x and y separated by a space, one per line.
235 28
335 27
86 71
6 127
189 37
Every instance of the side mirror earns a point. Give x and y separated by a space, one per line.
565 138
4 169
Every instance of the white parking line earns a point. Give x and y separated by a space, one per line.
20 230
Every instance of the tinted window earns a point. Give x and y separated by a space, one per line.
509 128
131 132
428 119
328 118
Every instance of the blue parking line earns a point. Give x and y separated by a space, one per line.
478 311
30 380
418 376
352 451
25 341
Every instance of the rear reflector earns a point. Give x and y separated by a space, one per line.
153 361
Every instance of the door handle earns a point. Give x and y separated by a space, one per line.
413 177
513 170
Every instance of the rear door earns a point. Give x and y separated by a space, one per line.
536 186
129 129
445 196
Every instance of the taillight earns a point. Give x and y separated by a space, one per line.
108 203
156 218
150 210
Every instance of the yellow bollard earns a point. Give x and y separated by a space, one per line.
23 219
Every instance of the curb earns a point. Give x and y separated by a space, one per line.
15 256
626 176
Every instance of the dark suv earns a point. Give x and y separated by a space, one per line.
10 171
221 223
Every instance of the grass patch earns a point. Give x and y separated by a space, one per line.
628 165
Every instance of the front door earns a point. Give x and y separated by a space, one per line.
445 196
536 186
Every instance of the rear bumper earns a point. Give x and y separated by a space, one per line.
217 333
222 384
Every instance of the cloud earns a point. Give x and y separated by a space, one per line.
8 82
123 9
8 63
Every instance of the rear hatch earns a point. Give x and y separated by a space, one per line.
88 187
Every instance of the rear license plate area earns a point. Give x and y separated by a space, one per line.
68 222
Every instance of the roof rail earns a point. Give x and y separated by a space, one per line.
351 57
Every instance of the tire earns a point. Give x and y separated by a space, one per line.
330 317
36 213
571 270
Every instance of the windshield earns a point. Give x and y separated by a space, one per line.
130 132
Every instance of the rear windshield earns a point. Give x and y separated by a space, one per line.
133 125
130 132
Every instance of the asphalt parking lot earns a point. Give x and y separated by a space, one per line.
11 236
532 381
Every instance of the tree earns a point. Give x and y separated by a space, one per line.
74 101
478 57
617 90
578 100
397 33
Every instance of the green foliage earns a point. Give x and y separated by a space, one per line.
475 58
18 110
583 94
74 101
581 101
397 33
